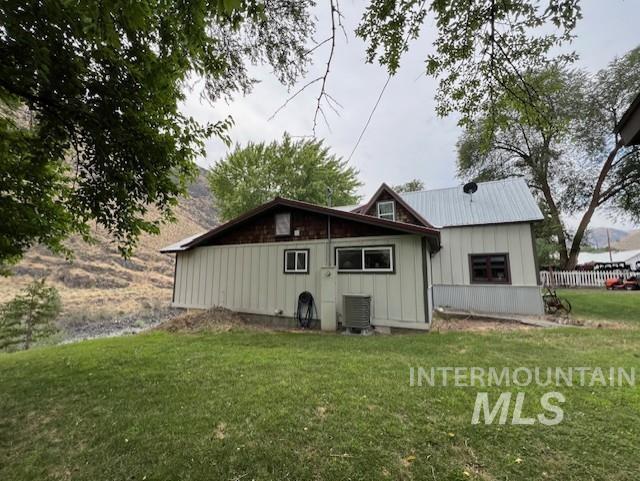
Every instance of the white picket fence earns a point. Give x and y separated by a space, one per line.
579 278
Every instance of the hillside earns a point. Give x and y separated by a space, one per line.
630 242
597 237
99 286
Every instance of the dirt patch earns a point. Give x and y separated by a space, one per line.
219 432
321 412
215 319
480 324
221 319
596 324
601 324
473 324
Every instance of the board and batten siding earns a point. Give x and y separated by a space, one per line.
249 278
451 274
451 263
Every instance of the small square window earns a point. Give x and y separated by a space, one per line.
349 259
283 224
296 261
377 259
387 210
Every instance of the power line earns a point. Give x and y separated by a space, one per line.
384 87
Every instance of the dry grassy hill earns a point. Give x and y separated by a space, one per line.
597 237
98 285
628 243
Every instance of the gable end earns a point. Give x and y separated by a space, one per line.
403 211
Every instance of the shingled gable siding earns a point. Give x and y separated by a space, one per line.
261 229
402 214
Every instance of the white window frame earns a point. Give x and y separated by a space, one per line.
296 269
364 270
393 209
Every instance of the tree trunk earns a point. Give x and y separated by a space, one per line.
558 229
593 205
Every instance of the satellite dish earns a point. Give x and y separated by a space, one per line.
470 188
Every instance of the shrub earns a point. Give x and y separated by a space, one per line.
29 316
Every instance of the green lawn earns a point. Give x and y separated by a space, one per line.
600 304
284 406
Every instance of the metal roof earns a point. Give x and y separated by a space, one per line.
181 244
346 208
496 202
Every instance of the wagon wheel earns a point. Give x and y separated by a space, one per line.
550 303
564 304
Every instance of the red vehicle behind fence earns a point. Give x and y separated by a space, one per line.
631 283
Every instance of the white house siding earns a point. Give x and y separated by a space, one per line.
398 299
250 278
451 272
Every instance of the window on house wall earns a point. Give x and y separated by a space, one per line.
490 268
365 259
387 210
296 261
283 224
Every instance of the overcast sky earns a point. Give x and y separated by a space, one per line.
406 139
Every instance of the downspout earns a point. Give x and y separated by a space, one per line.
433 290
329 263
175 270
425 280
329 204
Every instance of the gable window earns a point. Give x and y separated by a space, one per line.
296 261
387 210
489 268
283 224
365 259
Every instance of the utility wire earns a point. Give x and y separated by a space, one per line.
384 87
373 110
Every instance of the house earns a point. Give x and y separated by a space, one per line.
409 252
629 125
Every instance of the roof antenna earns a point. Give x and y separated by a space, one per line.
329 196
470 188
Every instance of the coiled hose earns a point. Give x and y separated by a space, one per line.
305 310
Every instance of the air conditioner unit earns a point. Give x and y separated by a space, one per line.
356 312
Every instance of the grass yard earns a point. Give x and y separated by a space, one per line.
600 304
245 405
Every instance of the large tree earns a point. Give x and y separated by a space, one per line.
410 186
90 124
302 170
562 140
479 46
